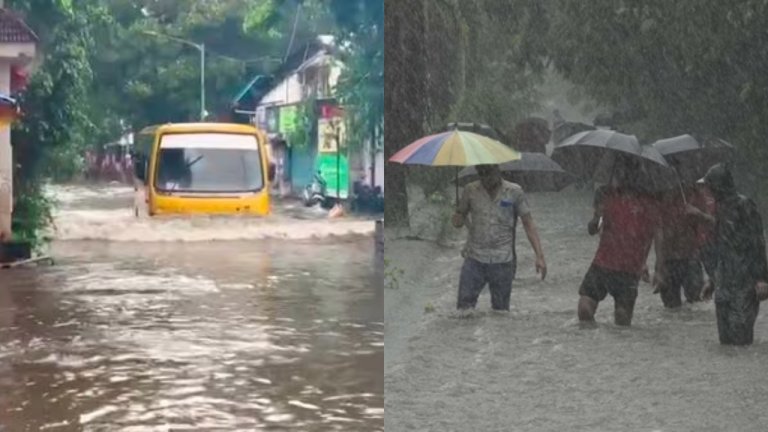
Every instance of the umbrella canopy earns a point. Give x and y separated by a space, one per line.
532 135
481 129
597 154
535 172
567 129
691 158
455 148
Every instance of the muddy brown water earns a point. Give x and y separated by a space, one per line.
260 334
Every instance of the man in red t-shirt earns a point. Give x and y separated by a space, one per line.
630 222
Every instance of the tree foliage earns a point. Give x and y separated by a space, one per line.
55 104
668 68
112 67
457 60
359 29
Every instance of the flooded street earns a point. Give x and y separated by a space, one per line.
158 331
534 369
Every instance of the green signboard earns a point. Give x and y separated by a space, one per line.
327 165
287 119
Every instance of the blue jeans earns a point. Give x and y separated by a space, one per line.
474 276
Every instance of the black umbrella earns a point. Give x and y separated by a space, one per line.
535 172
691 158
567 129
596 154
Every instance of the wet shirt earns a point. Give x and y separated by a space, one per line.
492 221
630 222
740 246
681 231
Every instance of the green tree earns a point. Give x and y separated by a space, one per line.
457 60
54 104
669 68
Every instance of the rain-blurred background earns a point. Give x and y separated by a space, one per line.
653 69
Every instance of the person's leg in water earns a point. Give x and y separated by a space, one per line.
500 277
471 283
669 287
736 321
591 292
587 309
693 281
624 308
623 289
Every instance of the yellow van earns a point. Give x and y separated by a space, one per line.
202 169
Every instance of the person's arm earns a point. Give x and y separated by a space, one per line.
524 211
699 215
593 227
759 262
658 248
533 237
659 272
462 209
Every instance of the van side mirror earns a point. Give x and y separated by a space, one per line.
271 172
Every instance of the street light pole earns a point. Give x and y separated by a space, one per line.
199 47
202 82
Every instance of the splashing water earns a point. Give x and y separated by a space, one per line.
106 213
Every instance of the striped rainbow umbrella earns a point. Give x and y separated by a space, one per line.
455 148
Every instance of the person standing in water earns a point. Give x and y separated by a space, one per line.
705 235
681 267
630 222
741 275
492 207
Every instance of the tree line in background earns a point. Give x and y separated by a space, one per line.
107 70
662 68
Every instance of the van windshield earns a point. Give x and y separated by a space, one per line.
209 162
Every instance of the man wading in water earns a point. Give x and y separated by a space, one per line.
681 267
630 223
493 206
741 275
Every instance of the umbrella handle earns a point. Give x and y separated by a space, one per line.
680 186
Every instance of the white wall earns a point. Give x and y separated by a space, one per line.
17 51
287 92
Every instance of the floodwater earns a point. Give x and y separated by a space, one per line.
160 332
535 369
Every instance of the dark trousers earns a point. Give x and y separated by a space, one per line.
709 259
681 273
475 275
736 321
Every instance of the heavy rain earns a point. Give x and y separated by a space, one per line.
606 161
190 196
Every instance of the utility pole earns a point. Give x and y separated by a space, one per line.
199 47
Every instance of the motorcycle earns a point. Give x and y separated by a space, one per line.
315 192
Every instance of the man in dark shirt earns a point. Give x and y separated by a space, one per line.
741 275
681 267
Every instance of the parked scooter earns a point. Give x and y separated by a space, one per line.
316 192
